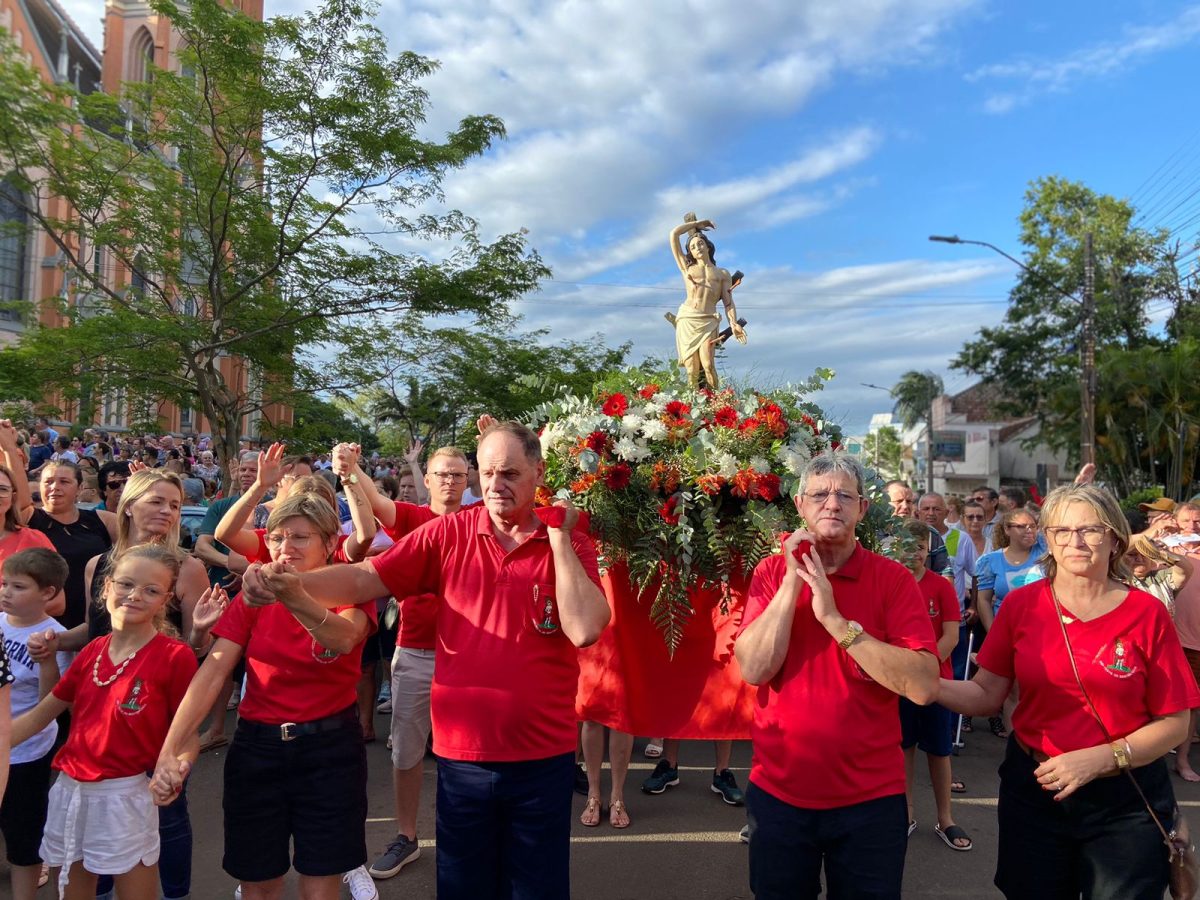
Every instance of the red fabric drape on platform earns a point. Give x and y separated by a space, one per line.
627 680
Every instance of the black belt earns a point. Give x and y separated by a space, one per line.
289 731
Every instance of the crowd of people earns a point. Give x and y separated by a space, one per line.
325 589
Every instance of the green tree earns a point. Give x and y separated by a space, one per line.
1033 355
246 193
883 452
447 377
914 394
317 425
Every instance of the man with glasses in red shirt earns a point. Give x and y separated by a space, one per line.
831 639
518 597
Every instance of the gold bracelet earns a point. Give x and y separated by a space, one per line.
319 624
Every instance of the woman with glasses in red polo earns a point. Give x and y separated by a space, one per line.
1105 691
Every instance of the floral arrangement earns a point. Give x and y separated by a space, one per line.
686 487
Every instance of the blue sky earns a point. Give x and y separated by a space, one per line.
826 139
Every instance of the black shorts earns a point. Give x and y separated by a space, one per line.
300 803
381 644
23 812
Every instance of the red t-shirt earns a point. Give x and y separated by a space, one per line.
418 612
503 690
263 554
23 539
118 730
290 677
1130 661
825 734
941 603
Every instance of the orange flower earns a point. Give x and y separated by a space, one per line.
581 484
543 496
743 483
710 484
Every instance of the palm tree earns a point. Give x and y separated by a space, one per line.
914 394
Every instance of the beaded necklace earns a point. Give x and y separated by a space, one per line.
115 675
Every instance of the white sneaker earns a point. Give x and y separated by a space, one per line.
362 886
237 893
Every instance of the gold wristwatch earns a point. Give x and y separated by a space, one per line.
853 630
1120 753
351 479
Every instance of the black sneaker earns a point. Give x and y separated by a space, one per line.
725 784
581 782
399 853
665 775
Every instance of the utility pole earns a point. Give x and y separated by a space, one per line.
930 445
1087 357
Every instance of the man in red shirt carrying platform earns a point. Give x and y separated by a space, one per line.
517 600
831 640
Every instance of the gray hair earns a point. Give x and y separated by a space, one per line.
834 464
248 456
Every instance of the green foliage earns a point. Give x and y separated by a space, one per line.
245 191
1033 356
317 425
444 379
1130 502
884 451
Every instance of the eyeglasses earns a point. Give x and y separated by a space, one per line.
1022 527
1092 535
843 499
450 476
115 483
973 518
299 541
125 587
5 491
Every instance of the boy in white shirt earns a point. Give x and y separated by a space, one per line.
31 579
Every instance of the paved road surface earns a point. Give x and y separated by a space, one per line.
683 844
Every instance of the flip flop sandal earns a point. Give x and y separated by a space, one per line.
912 826
957 787
952 834
590 809
618 809
653 750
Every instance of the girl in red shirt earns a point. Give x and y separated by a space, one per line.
1071 823
122 690
296 773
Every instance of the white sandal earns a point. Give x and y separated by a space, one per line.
654 749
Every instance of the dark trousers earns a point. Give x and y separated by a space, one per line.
175 851
504 829
861 846
958 656
1098 844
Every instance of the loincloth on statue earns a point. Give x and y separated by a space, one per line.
694 331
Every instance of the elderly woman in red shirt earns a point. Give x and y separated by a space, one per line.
1105 690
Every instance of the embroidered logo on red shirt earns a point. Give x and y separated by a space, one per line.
135 700
1121 664
323 654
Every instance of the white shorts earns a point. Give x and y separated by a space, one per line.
412 674
111 825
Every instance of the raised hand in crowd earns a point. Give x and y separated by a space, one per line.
344 458
136 466
484 422
270 466
209 609
413 456
1087 474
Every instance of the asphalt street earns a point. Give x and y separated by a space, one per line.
682 844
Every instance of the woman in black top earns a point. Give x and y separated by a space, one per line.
77 534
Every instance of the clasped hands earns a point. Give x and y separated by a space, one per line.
812 572
263 585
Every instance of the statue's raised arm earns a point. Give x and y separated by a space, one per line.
697 323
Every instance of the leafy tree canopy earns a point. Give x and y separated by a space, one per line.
256 196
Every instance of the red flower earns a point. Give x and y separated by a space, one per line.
597 441
667 511
767 486
665 478
615 405
749 424
677 409
543 496
835 445
766 409
617 477
726 417
648 391
710 484
809 421
743 483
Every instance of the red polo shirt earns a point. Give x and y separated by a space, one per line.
290 676
418 612
825 734
941 602
1130 661
503 690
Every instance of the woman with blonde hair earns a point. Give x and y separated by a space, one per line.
296 774
1105 693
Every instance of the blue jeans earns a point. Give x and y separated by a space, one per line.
175 853
504 829
861 846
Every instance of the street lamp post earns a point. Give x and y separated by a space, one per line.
1087 348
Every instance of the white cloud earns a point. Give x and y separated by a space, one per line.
1033 77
